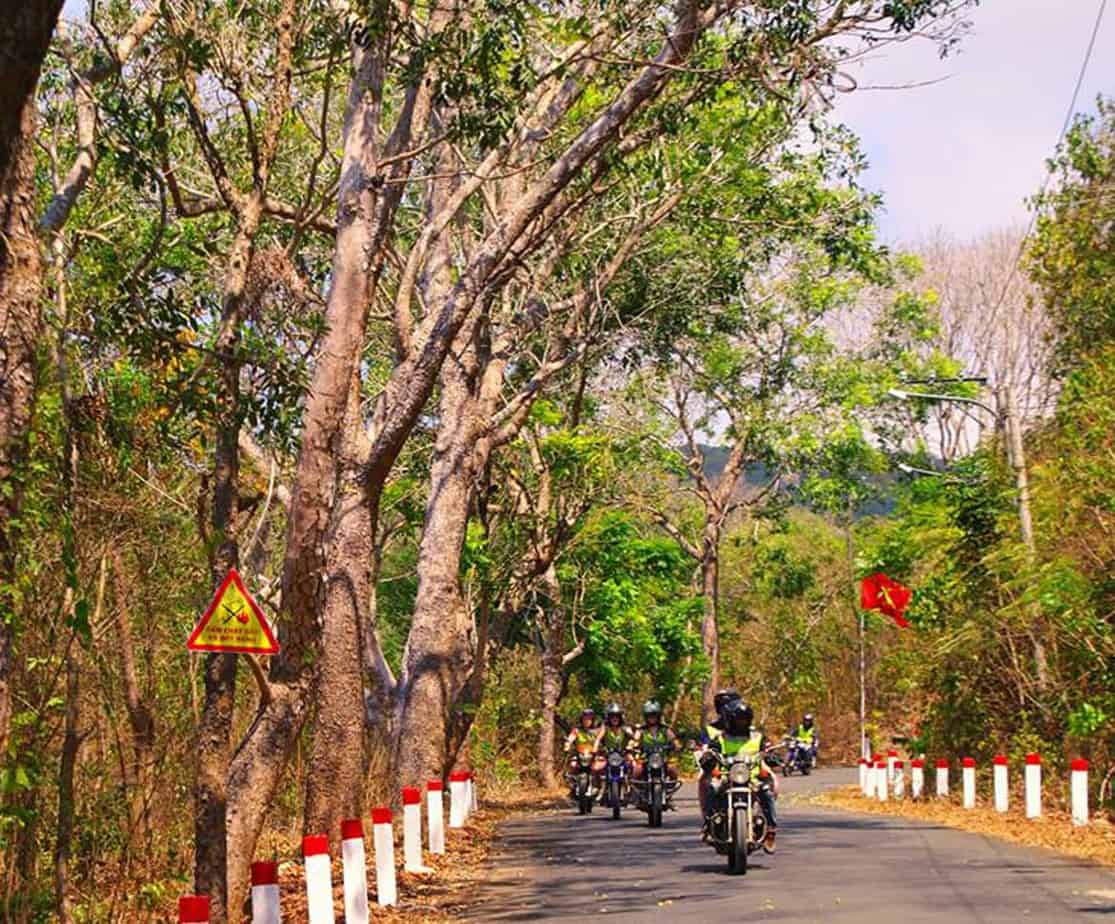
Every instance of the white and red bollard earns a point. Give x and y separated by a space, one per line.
193 909
863 776
881 780
412 831
458 793
892 756
942 778
899 780
319 879
1079 787
968 781
355 871
265 893
1000 783
435 816
1033 786
917 778
383 837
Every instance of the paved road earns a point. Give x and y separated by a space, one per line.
831 866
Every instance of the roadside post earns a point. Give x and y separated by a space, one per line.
383 836
1079 792
917 778
899 780
435 821
412 830
881 780
265 893
1033 786
458 785
319 879
193 909
355 871
1002 789
942 778
968 777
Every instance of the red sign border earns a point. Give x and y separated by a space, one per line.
233 577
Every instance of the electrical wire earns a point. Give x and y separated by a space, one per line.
1060 139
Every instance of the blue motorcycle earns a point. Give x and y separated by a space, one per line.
616 787
799 757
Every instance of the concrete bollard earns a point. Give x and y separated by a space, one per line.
383 837
892 756
968 779
435 816
899 780
412 831
1000 781
355 871
319 879
917 778
458 792
1079 786
265 893
881 780
193 909
863 776
942 779
1033 786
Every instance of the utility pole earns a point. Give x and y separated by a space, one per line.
864 750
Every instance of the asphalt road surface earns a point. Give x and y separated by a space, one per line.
830 866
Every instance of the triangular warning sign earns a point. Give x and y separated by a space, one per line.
233 622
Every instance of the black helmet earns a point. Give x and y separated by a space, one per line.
650 707
723 697
738 717
807 720
613 709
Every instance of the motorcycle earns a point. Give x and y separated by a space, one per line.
799 756
580 780
655 790
736 823
615 790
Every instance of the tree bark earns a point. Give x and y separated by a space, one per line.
25 33
710 621
553 663
438 651
71 742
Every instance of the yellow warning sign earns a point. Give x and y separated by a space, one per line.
233 622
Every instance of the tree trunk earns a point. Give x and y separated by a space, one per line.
334 788
710 622
71 742
25 32
553 655
438 651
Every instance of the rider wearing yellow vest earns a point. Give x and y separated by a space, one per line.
653 735
583 737
614 735
740 738
713 730
807 733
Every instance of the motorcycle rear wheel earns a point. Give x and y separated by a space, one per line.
737 850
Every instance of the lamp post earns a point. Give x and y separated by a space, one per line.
1005 419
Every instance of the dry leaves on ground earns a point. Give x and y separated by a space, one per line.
1053 830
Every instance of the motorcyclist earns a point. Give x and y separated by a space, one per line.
583 737
614 735
808 734
740 738
652 735
710 733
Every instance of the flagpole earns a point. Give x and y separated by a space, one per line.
863 749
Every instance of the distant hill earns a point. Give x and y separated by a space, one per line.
716 457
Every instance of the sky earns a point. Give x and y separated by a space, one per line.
963 155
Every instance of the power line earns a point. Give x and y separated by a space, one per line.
1060 138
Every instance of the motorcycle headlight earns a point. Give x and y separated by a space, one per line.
655 761
615 759
739 773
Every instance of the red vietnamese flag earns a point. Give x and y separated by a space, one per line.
879 592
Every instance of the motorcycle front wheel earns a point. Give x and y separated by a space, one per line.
655 814
613 797
737 850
